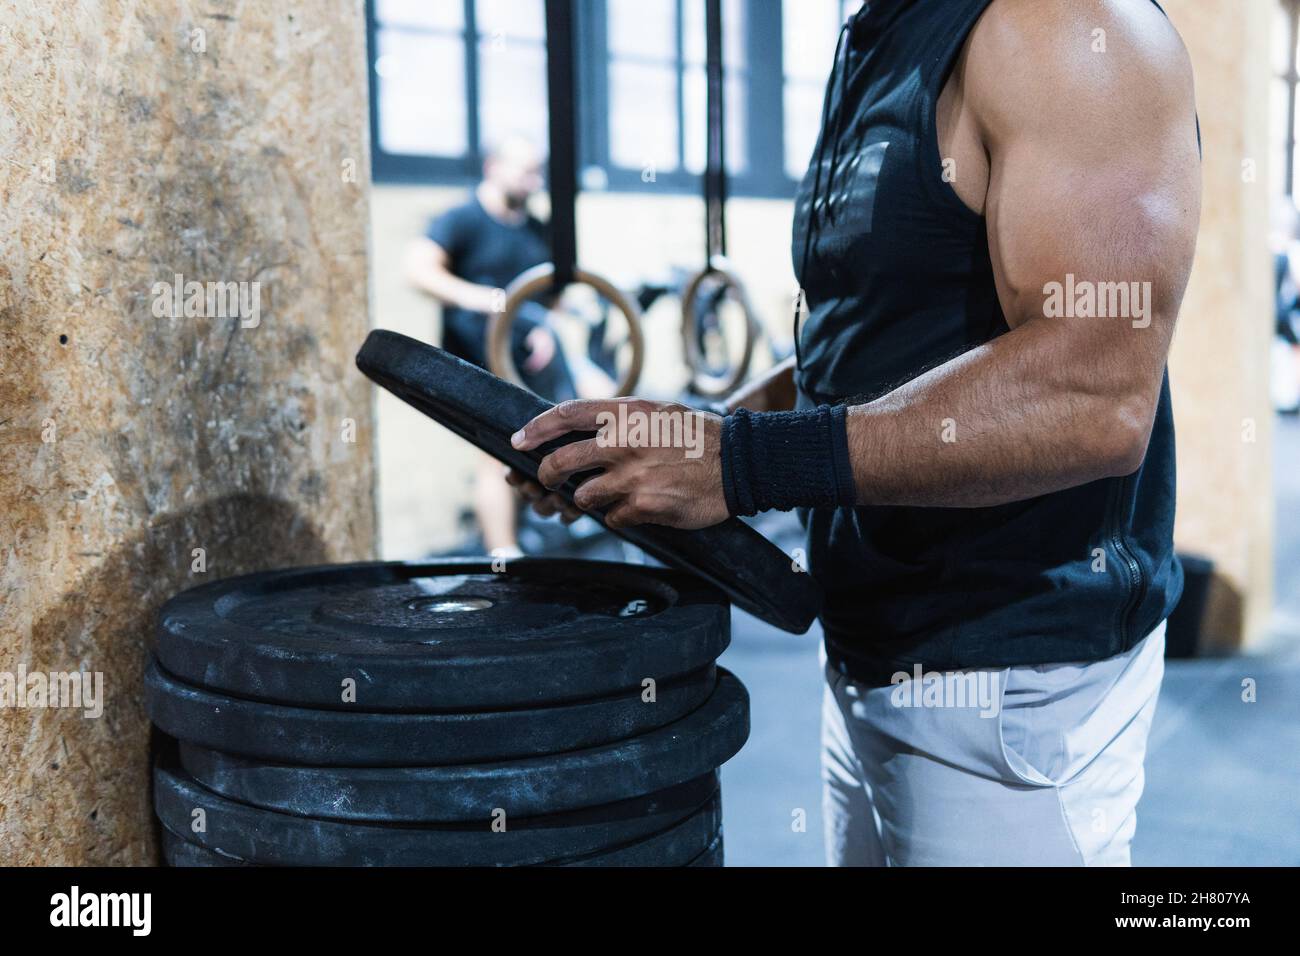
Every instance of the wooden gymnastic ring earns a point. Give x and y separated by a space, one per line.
540 279
702 383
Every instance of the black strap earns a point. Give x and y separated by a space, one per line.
715 169
562 102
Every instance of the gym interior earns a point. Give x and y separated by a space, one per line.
324 166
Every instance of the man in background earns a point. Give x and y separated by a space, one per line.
466 257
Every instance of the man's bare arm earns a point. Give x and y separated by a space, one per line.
1093 172
428 269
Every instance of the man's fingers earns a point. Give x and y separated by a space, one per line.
524 486
597 493
579 415
623 515
561 464
547 505
543 502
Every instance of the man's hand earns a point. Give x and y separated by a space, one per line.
544 502
659 461
541 349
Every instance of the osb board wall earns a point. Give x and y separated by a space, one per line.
227 142
1219 364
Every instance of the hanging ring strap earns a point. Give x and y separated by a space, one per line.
715 169
715 227
552 278
562 102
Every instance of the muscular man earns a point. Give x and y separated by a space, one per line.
993 240
465 259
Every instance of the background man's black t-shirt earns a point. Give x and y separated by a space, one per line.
488 252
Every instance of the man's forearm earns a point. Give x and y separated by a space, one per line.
454 291
1009 420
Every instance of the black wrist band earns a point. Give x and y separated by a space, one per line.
784 460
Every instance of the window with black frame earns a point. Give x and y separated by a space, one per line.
809 30
450 76
653 68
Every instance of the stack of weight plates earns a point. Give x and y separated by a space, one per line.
461 713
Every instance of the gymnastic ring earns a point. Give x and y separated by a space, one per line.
540 279
702 383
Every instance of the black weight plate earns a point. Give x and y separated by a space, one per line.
485 410
713 856
267 837
178 851
680 751
679 845
447 636
300 735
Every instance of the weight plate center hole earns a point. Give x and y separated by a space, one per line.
449 604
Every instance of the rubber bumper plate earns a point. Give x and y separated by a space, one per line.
445 636
687 748
486 411
360 738
264 836
679 845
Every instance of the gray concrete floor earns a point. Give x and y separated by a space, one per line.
1222 774
776 776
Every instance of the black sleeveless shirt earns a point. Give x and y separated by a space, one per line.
897 276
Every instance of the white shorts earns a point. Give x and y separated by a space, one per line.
1022 766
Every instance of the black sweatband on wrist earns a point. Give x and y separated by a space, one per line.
776 461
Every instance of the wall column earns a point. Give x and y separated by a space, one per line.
1219 365
144 451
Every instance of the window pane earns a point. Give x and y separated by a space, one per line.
809 31
693 27
737 123
512 91
1278 112
421 97
428 14
803 114
1295 51
522 19
643 28
643 116
695 118
695 106
1295 154
1277 136
1281 40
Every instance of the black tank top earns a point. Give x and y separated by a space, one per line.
896 271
